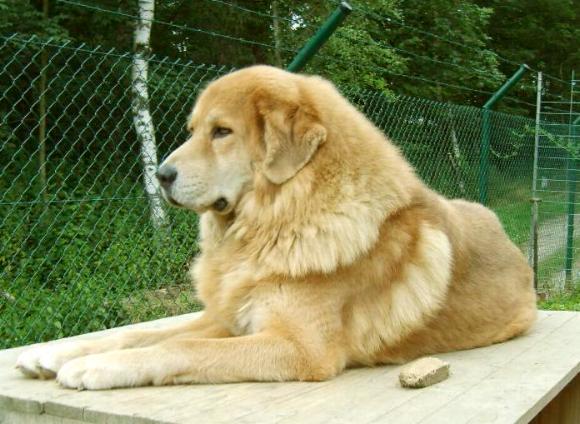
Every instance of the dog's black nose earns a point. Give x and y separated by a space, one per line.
166 174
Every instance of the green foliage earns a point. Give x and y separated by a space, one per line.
357 54
83 266
87 257
543 33
462 22
566 143
26 18
437 45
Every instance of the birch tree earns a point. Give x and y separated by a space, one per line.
457 161
141 115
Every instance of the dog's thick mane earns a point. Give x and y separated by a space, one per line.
302 226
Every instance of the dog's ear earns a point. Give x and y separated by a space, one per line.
292 133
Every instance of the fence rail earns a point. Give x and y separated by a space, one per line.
77 250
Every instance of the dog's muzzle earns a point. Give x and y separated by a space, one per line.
166 174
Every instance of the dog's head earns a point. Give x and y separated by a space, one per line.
258 120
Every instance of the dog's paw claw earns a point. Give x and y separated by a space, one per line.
45 373
27 363
43 362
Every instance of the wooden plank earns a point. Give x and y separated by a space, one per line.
385 399
32 396
12 417
469 368
312 406
509 382
564 408
517 391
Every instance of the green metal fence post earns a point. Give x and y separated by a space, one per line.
571 176
484 155
318 39
486 130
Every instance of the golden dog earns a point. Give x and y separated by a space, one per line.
321 250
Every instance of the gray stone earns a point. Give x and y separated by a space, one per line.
424 372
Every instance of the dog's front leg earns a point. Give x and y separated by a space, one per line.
258 357
44 361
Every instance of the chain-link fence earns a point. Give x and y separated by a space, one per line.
556 187
78 252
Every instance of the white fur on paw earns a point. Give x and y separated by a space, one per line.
29 363
44 361
99 372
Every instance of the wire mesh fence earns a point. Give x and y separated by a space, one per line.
557 188
78 252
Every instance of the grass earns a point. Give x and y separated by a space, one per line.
563 301
551 268
146 305
511 202
513 206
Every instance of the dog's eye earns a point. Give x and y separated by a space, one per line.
220 132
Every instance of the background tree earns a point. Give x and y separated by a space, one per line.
542 33
142 119
357 55
465 62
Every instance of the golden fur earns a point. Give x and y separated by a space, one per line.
330 253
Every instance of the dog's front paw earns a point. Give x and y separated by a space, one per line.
100 372
44 361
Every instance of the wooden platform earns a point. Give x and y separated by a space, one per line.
507 383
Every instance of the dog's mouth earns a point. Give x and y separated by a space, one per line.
221 205
173 202
169 199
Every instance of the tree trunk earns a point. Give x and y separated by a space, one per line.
141 114
276 31
456 159
42 113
